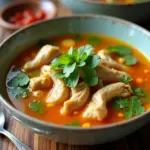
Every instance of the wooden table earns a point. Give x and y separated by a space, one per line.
140 140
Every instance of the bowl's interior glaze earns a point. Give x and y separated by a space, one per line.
129 33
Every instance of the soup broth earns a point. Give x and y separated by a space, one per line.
121 1
140 73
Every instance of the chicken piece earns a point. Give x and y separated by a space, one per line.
46 54
60 92
41 82
109 75
97 109
106 60
79 97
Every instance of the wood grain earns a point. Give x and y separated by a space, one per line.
136 141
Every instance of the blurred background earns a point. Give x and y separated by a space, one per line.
5 2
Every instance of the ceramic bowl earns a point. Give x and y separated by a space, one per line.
135 12
12 8
109 26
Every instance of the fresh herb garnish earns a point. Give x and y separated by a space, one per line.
138 91
124 52
92 61
130 60
131 107
59 75
74 123
120 103
93 40
19 92
20 80
73 79
126 79
75 62
90 76
78 38
37 106
18 85
120 50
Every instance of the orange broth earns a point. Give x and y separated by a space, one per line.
118 1
52 114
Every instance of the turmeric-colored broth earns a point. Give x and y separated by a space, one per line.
120 1
117 1
52 114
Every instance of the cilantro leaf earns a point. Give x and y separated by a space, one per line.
65 59
93 40
70 51
59 75
120 103
19 92
127 113
131 107
84 56
54 63
17 85
68 69
126 79
93 61
135 101
20 80
138 91
89 76
135 107
37 106
81 64
77 60
85 49
78 38
75 55
130 60
73 79
74 123
120 50
138 110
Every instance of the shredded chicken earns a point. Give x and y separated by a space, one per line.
106 60
41 82
60 92
46 54
79 97
109 75
97 109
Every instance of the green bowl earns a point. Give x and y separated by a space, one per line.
135 12
109 26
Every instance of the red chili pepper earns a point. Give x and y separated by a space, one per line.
28 12
27 17
40 15
18 16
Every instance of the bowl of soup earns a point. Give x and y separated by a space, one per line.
80 80
132 10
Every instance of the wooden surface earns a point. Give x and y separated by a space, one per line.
140 140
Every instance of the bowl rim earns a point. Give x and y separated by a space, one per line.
52 125
12 26
96 2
